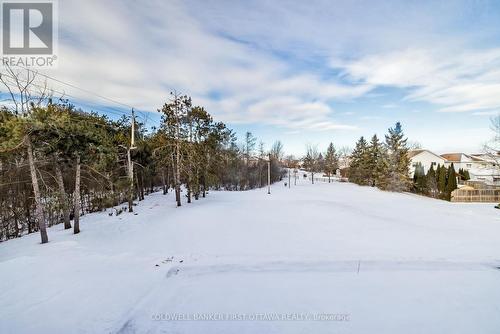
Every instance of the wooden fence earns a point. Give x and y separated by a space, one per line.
476 195
478 185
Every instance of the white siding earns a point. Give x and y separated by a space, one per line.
466 162
427 159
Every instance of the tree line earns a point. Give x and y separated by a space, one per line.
315 162
58 162
385 165
438 183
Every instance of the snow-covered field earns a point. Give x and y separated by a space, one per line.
369 261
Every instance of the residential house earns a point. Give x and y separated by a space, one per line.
464 161
480 166
426 158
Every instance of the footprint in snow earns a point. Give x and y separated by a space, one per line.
172 271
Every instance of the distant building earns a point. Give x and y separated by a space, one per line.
493 159
465 161
426 158
481 167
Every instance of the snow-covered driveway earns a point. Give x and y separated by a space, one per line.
323 258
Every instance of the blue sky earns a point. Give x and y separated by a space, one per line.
298 71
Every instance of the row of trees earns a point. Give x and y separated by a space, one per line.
58 162
437 183
384 165
315 162
202 154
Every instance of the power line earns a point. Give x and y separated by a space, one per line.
143 114
76 87
110 109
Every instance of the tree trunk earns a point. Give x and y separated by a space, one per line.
76 197
63 197
204 184
163 181
167 181
36 190
138 185
142 186
131 182
177 176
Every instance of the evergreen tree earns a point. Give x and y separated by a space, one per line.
17 133
331 161
441 180
359 172
419 179
382 168
451 183
438 172
399 163
49 151
431 182
375 167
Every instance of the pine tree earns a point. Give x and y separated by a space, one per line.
399 163
419 179
438 172
374 166
331 161
441 180
382 168
451 183
358 169
173 123
431 182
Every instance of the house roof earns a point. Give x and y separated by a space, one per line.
457 157
477 159
453 157
485 157
414 153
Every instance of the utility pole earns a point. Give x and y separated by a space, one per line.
131 165
269 174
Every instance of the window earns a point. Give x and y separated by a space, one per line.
468 165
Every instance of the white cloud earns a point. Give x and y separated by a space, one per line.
467 81
486 113
389 106
138 52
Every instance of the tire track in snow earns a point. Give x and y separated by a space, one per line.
328 266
